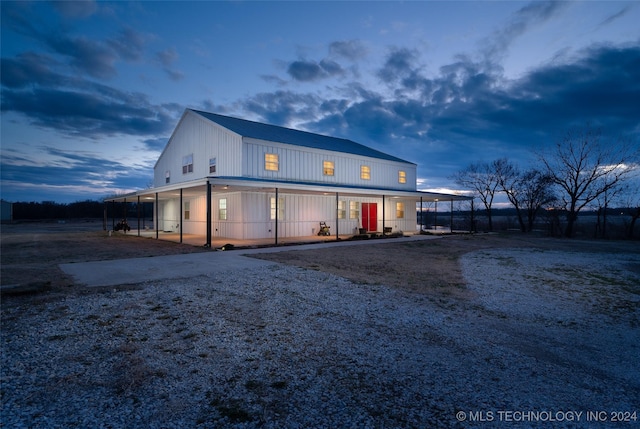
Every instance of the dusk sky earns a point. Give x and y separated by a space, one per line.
91 91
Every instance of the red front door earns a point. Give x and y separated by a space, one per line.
370 216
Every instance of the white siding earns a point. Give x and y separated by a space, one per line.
204 139
303 164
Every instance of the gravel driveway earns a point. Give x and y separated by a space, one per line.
542 335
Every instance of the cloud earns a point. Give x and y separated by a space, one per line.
615 16
400 62
308 71
522 20
166 58
352 50
75 8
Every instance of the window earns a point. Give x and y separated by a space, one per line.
212 165
342 210
328 168
187 211
402 177
187 164
280 208
167 177
365 172
271 162
400 210
354 210
222 209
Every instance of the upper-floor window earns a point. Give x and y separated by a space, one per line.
402 176
167 177
365 172
187 164
399 210
271 162
212 165
328 168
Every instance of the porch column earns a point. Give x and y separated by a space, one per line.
208 243
180 216
138 208
113 215
156 220
383 215
421 216
276 218
435 217
451 222
337 216
104 217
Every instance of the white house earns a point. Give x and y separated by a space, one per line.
224 177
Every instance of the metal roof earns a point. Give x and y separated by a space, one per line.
290 136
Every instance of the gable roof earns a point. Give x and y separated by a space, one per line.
290 136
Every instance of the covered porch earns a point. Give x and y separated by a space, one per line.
193 212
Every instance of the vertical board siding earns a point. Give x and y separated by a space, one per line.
306 165
204 139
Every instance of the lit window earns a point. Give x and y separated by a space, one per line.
342 210
222 209
328 168
402 177
167 177
354 210
271 162
280 207
187 211
187 164
365 172
399 210
212 165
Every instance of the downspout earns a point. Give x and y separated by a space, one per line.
208 243
138 208
157 220
180 216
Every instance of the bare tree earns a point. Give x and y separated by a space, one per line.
527 191
481 178
584 167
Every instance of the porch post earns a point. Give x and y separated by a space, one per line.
276 218
208 243
383 215
337 216
138 208
104 217
180 216
451 223
421 216
113 215
435 217
157 220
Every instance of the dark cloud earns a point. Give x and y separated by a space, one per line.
282 107
54 182
523 19
352 50
308 71
156 144
167 57
29 69
75 8
128 44
615 16
86 55
400 63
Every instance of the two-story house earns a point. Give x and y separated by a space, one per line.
225 177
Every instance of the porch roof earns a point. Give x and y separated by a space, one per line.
238 184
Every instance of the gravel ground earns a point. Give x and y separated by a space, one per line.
541 332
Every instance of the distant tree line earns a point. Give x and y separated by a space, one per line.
53 210
581 172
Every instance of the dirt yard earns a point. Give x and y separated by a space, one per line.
31 253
